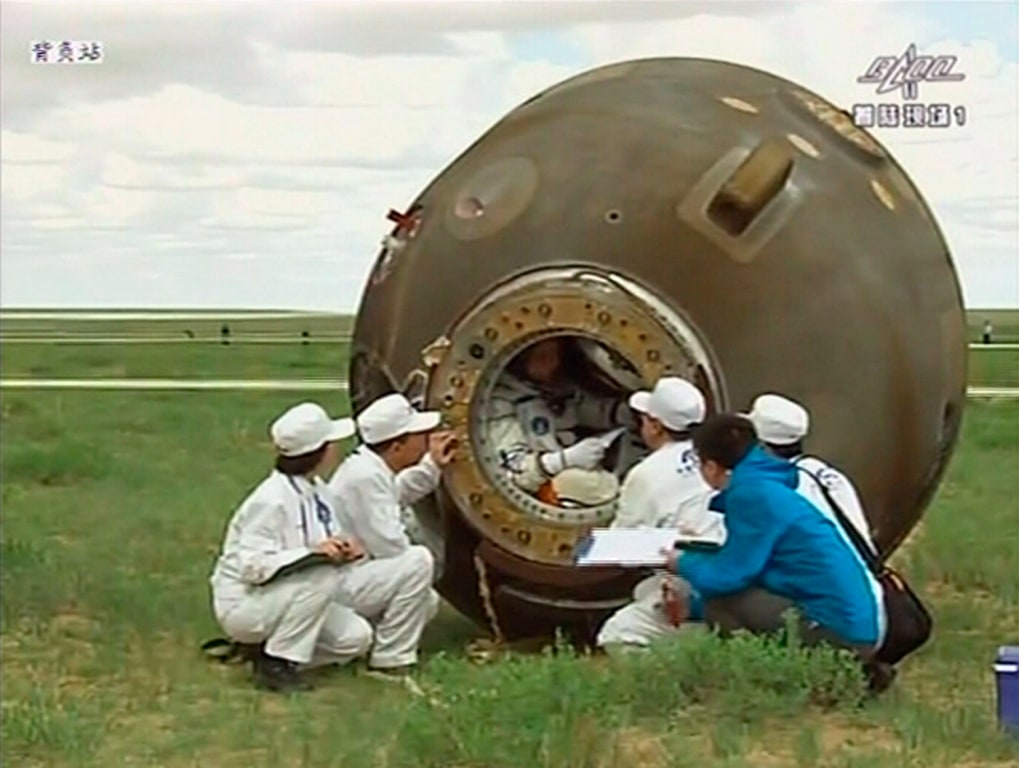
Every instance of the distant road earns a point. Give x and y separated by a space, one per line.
270 385
207 315
992 392
279 337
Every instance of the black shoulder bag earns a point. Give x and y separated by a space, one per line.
908 623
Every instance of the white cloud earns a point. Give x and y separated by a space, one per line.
125 172
50 211
117 207
697 37
529 79
283 203
236 219
32 181
16 147
221 177
340 80
182 122
59 222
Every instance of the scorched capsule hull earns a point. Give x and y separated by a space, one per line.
698 218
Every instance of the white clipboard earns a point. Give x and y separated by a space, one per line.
626 546
634 547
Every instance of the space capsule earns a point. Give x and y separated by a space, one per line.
682 217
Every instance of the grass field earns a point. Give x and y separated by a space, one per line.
1005 322
114 505
988 368
321 358
211 361
211 326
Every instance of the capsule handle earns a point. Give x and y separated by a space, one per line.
754 184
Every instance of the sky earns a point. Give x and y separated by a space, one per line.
241 154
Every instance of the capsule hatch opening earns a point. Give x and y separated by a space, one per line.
557 389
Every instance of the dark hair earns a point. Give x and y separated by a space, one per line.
724 438
517 365
679 434
385 445
300 465
574 364
790 451
673 434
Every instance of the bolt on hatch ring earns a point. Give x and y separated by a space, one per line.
547 303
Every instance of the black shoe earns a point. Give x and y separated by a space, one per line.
279 675
880 677
249 653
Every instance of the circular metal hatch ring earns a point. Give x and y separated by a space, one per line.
576 302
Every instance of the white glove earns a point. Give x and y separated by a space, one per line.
587 454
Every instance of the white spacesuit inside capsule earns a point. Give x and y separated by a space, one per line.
553 418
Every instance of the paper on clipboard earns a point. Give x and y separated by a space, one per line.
626 546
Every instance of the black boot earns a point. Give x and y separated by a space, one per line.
280 675
880 677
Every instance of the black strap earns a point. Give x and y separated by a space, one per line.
872 561
228 651
312 559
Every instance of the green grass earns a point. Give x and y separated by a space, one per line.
201 327
211 361
988 367
114 505
113 508
1005 324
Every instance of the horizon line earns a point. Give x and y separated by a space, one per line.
282 310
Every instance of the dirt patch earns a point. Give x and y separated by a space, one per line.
72 625
60 650
828 736
939 589
763 758
906 548
836 734
636 748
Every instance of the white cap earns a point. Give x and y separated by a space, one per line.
576 487
306 428
675 402
778 420
392 416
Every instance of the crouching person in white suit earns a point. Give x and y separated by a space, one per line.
665 490
400 463
308 617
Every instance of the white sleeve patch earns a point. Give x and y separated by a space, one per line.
688 463
829 478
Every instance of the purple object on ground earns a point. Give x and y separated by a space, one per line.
1006 670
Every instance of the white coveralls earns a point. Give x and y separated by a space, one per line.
374 505
316 616
665 490
841 489
522 424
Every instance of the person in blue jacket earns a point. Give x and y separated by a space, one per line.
779 554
